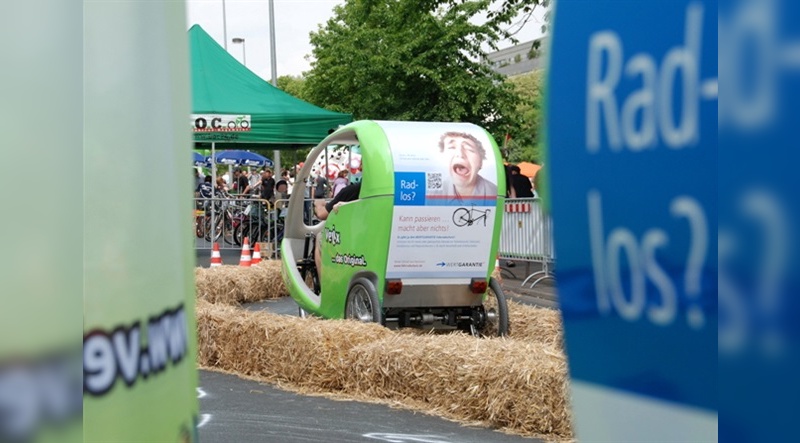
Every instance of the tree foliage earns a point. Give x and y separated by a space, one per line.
292 85
413 60
525 145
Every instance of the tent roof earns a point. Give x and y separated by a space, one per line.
222 85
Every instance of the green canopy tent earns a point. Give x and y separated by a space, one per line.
233 108
247 109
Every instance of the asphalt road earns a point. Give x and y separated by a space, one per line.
238 410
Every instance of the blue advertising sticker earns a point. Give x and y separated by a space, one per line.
409 189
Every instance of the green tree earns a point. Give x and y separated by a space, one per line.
525 143
294 85
412 60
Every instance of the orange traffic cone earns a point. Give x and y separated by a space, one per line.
256 255
216 259
497 270
245 259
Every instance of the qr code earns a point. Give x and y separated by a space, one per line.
434 181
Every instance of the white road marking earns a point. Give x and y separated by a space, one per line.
405 438
204 418
201 393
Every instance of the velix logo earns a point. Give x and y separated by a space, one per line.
221 123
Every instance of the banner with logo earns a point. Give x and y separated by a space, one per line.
445 180
139 347
221 123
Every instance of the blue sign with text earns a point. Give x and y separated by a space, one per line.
632 132
409 188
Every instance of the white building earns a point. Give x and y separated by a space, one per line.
515 60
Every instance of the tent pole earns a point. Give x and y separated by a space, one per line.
213 185
326 164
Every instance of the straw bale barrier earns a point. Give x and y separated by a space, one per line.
533 324
232 285
514 385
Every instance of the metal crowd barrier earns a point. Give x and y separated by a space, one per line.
527 235
226 221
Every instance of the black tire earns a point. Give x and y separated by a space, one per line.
207 226
237 234
198 227
227 231
502 308
362 302
255 233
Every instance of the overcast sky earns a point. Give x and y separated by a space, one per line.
294 20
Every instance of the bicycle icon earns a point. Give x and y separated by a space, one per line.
240 122
465 217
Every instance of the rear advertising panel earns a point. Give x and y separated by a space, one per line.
445 199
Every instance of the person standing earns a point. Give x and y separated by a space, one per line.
307 211
287 177
520 183
267 185
204 189
281 195
198 177
240 182
340 182
321 188
254 179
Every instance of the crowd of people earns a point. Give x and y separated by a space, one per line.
262 184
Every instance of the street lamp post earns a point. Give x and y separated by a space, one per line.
238 40
224 27
273 63
273 57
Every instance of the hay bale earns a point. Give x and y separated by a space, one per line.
533 324
229 284
511 384
505 383
284 349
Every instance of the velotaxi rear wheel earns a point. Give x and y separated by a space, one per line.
362 302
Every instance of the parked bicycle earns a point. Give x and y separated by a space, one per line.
259 224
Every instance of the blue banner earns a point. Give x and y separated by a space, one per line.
759 215
632 132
